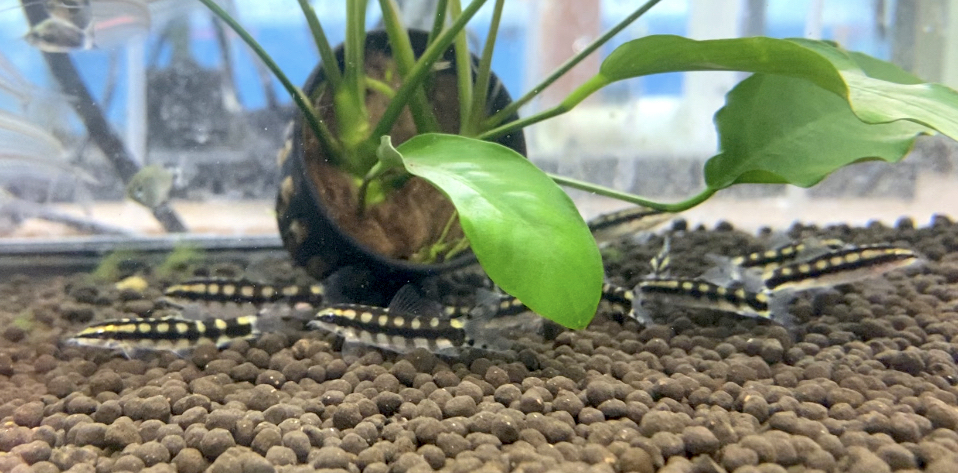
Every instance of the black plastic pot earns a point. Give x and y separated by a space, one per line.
314 239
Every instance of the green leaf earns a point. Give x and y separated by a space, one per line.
526 232
884 70
898 98
387 154
881 93
777 129
667 53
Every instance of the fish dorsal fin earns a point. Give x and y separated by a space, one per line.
729 275
410 302
723 272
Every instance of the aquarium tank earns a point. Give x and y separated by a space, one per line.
478 235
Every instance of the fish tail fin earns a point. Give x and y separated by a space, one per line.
639 312
282 317
778 302
511 317
723 271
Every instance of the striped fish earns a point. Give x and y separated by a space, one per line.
699 294
747 269
617 300
412 322
785 254
610 226
843 266
176 334
392 330
232 300
243 291
768 295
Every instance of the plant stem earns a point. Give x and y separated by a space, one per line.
438 21
463 68
419 71
349 101
578 95
565 67
445 229
333 75
480 96
355 48
381 87
376 171
624 196
434 249
405 59
319 129
460 246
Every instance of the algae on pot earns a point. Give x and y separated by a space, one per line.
809 108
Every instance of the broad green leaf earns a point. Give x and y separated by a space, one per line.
777 129
878 95
667 53
882 101
884 70
524 229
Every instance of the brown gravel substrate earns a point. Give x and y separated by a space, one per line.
866 383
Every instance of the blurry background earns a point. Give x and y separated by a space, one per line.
183 93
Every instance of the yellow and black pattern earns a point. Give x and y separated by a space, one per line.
618 299
625 222
404 327
621 217
506 306
242 291
839 267
702 294
785 254
394 331
165 333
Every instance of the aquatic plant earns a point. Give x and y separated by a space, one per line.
110 267
182 256
808 109
25 320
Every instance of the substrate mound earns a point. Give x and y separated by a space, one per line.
865 382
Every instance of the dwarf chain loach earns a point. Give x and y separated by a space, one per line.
758 285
